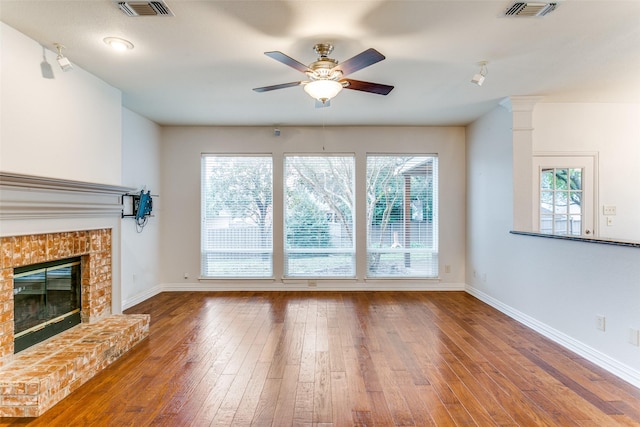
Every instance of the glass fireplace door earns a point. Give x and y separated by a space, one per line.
45 298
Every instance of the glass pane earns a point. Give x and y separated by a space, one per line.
63 290
546 179
45 293
236 216
29 296
561 202
546 224
318 220
561 178
575 225
401 245
560 224
576 179
546 201
575 203
320 264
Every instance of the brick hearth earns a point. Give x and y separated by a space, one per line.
37 378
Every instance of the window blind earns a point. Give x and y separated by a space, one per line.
319 223
237 235
402 231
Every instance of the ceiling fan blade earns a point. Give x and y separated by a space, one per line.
376 88
287 60
361 60
274 87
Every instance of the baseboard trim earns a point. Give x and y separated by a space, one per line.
214 286
141 297
611 365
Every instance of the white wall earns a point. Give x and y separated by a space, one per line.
613 132
140 170
68 127
180 223
556 287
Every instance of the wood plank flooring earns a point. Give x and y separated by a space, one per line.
342 359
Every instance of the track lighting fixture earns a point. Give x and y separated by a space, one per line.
63 61
478 78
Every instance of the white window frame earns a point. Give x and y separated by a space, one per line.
350 251
588 162
204 230
359 219
433 250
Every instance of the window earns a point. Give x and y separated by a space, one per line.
402 237
237 216
564 195
318 216
561 201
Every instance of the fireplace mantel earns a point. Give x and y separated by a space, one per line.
32 197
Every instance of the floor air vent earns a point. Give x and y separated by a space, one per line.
530 9
144 8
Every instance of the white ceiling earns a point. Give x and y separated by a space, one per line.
199 66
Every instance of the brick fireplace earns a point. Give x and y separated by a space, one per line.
35 213
94 246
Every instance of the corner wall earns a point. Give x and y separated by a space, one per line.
140 246
556 287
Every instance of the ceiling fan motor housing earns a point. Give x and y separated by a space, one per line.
323 68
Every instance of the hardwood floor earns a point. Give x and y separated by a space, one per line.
342 359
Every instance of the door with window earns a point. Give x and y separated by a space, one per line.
565 194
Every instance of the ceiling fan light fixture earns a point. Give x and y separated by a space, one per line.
323 90
118 44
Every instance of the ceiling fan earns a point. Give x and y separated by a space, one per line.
326 75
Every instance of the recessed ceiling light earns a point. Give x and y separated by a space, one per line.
118 44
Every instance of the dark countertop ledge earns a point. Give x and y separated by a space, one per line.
599 240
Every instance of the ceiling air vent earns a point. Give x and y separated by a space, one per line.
530 9
144 8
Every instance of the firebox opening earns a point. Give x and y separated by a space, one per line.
46 300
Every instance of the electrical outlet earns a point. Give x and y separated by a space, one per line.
601 323
312 283
186 275
447 268
609 221
634 337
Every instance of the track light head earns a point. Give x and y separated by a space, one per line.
63 61
479 77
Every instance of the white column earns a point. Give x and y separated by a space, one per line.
521 108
